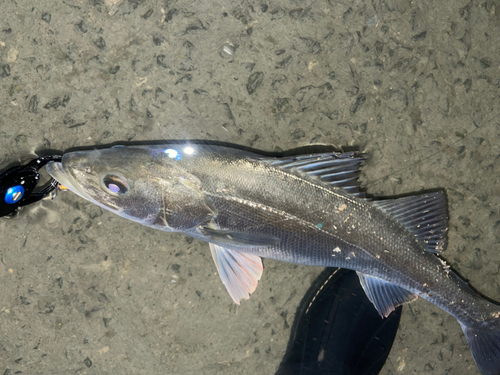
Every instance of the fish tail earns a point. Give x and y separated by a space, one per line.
484 343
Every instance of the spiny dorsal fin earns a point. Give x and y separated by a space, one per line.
336 169
384 295
425 215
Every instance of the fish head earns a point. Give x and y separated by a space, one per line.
137 183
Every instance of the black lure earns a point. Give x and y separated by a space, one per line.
17 185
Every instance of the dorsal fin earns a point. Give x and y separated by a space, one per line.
425 215
336 169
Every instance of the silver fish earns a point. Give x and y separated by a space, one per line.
305 209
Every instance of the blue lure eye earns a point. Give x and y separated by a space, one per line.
14 194
115 184
173 154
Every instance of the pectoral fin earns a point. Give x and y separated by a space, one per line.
240 272
384 295
238 238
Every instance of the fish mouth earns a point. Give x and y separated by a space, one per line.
64 172
64 177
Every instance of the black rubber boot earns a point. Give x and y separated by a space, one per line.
338 331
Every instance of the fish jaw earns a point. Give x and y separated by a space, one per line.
61 175
74 173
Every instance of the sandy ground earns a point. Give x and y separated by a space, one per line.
416 85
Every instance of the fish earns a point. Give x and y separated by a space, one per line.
306 209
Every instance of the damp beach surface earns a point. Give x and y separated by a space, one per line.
413 85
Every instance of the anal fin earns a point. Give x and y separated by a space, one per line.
384 295
239 272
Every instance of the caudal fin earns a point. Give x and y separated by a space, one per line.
484 343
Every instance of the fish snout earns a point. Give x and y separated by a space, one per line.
76 161
70 170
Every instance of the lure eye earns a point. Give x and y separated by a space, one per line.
115 184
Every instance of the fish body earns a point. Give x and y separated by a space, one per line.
305 210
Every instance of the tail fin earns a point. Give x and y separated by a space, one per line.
484 343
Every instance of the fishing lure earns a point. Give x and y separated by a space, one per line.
18 185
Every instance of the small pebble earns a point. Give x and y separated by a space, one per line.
46 17
227 50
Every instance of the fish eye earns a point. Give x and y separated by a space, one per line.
115 184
